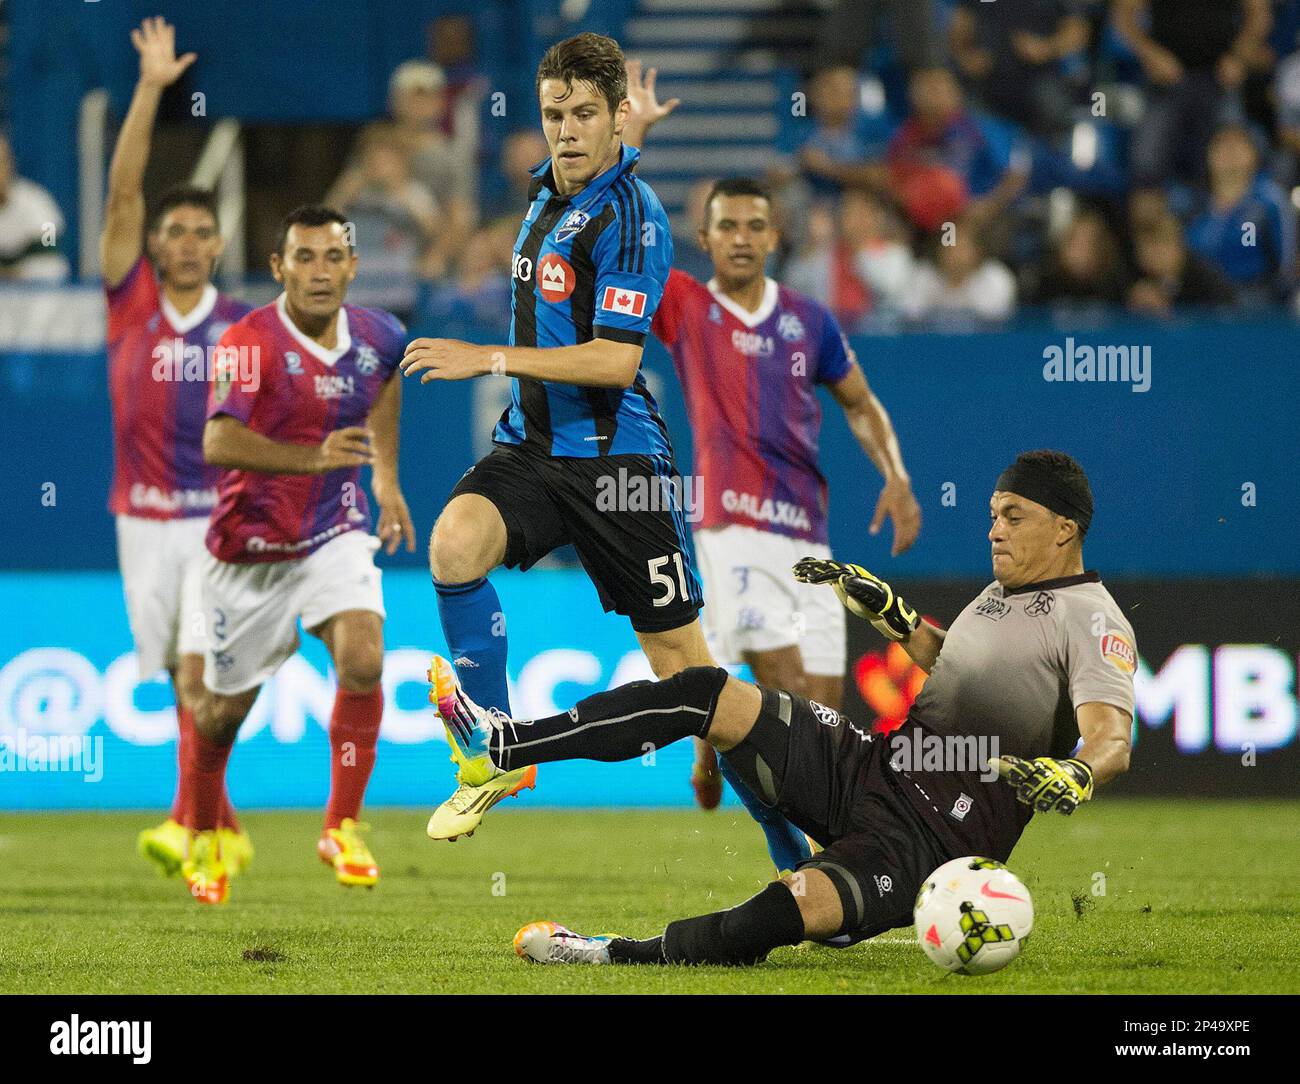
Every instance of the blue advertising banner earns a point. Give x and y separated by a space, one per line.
1216 695
78 729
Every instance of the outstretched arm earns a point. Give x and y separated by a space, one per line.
395 525
646 108
870 424
119 247
599 363
1107 732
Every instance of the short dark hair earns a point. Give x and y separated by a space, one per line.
1066 473
587 58
310 214
186 195
734 186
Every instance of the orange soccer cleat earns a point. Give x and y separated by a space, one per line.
345 850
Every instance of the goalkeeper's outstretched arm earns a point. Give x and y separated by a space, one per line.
872 599
924 645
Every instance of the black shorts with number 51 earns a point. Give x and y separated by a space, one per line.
624 514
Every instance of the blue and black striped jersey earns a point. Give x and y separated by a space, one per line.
591 265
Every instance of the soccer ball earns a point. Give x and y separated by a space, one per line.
972 915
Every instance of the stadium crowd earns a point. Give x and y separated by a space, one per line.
967 161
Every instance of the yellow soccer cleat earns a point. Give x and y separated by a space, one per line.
237 849
345 850
165 845
481 783
204 870
460 814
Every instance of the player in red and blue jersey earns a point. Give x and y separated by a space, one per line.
582 438
750 354
303 397
164 319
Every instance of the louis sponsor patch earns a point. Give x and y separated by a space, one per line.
1117 651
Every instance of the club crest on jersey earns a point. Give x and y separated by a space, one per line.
715 313
1117 651
292 363
555 278
572 225
367 360
628 302
790 327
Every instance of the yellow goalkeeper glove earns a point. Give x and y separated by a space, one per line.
1047 783
863 595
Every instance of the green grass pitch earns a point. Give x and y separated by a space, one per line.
1130 896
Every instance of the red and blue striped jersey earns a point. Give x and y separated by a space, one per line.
287 387
750 383
158 371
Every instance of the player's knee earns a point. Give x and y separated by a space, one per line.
361 669
458 549
189 688
218 717
699 686
830 899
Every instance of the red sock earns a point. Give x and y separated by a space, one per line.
228 818
354 731
207 782
184 739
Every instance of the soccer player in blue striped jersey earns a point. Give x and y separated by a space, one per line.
582 445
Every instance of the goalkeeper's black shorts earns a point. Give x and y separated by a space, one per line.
622 513
837 787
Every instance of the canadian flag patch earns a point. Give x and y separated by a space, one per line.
628 302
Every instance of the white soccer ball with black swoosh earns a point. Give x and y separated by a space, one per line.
973 915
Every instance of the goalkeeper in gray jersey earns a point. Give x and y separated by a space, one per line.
1028 708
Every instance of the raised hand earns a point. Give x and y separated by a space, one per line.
155 41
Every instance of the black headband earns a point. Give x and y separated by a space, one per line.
1042 486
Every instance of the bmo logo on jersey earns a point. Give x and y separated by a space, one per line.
555 277
521 267
330 386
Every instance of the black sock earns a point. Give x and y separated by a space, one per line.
743 935
627 950
617 725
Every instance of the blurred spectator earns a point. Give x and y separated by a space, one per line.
479 295
395 218
1286 99
1245 224
1086 265
963 282
854 25
1170 274
847 145
453 50
944 162
861 268
520 152
1010 55
30 222
417 97
1195 54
